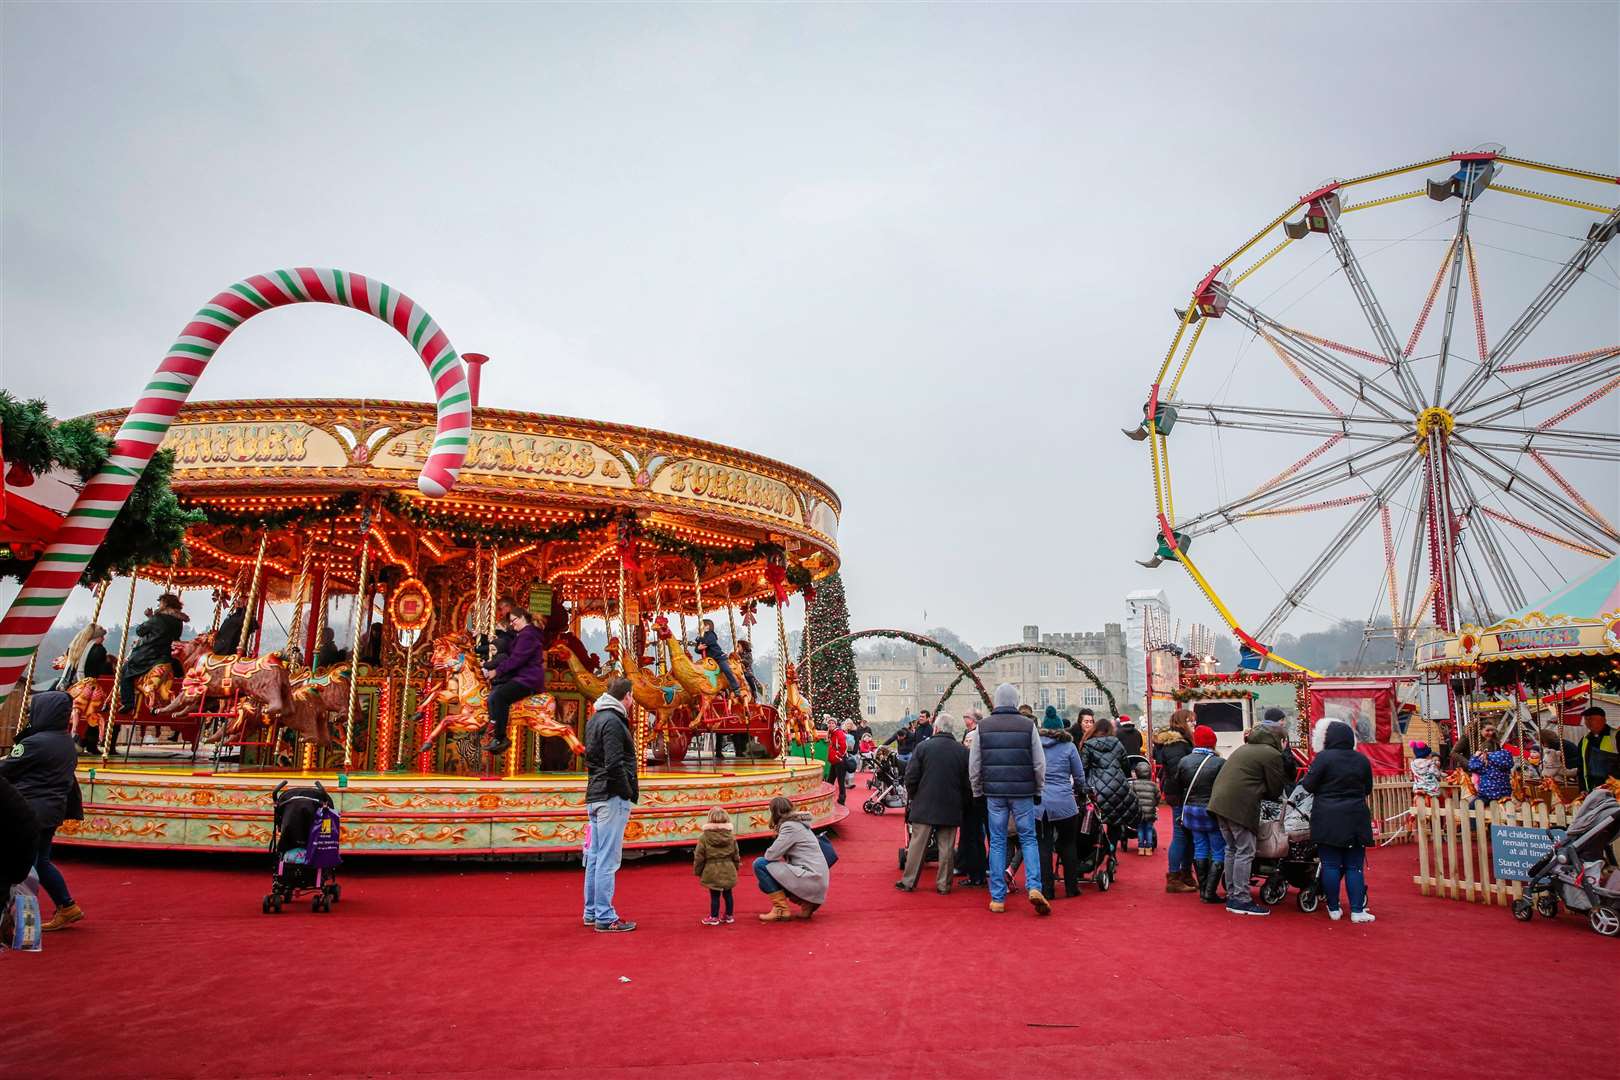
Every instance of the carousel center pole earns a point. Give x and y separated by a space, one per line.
354 639
111 733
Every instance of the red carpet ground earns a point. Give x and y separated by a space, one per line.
471 970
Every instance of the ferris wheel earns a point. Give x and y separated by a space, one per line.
1375 405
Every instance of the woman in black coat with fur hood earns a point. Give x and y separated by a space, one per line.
1108 779
1340 780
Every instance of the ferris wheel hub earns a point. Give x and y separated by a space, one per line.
1432 417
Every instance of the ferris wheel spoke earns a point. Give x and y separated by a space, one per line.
1318 425
1361 462
1365 513
1373 311
1539 390
1413 609
1545 301
1584 453
1592 529
1318 361
1479 526
1453 289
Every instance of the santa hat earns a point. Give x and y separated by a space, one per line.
1204 737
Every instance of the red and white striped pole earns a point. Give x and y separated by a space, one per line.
61 565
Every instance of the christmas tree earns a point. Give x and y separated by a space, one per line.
833 687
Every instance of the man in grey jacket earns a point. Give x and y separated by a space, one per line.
1007 767
611 788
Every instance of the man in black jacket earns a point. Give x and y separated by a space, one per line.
153 639
40 767
611 789
1008 767
937 783
229 638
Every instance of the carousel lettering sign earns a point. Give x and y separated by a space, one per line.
721 484
201 446
1553 637
502 453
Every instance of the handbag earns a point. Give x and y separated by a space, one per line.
1197 818
1271 842
828 852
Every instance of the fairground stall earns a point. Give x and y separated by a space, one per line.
1519 685
581 523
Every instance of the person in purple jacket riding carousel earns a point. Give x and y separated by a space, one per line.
515 674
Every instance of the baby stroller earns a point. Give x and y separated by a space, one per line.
1572 872
304 841
1301 867
1098 860
889 783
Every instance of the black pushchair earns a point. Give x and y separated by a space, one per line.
1301 866
304 841
1573 872
1098 861
889 783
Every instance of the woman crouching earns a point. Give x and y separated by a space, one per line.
793 867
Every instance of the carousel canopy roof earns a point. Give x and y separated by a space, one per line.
1588 597
552 496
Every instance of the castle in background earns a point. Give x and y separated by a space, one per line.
896 680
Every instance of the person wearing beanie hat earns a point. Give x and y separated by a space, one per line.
1425 768
1196 775
1050 720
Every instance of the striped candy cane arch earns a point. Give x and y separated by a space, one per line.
59 568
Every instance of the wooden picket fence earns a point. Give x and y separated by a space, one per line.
1389 803
1454 845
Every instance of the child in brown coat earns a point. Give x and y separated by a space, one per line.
715 862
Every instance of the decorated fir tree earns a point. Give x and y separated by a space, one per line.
833 686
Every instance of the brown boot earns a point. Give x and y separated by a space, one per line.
779 908
64 917
806 908
1178 882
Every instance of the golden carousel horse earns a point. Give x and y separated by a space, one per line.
465 689
801 725
587 680
155 689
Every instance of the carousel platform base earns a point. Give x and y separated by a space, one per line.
182 807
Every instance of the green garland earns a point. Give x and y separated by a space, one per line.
151 527
325 510
460 528
1206 693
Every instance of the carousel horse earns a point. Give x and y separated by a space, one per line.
587 680
312 699
261 684
660 695
701 679
155 689
801 726
465 689
90 700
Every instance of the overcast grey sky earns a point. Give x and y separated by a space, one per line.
926 252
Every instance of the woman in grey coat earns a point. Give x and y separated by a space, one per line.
793 867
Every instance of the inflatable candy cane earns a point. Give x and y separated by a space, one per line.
59 568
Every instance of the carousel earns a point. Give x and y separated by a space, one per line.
342 577
311 510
